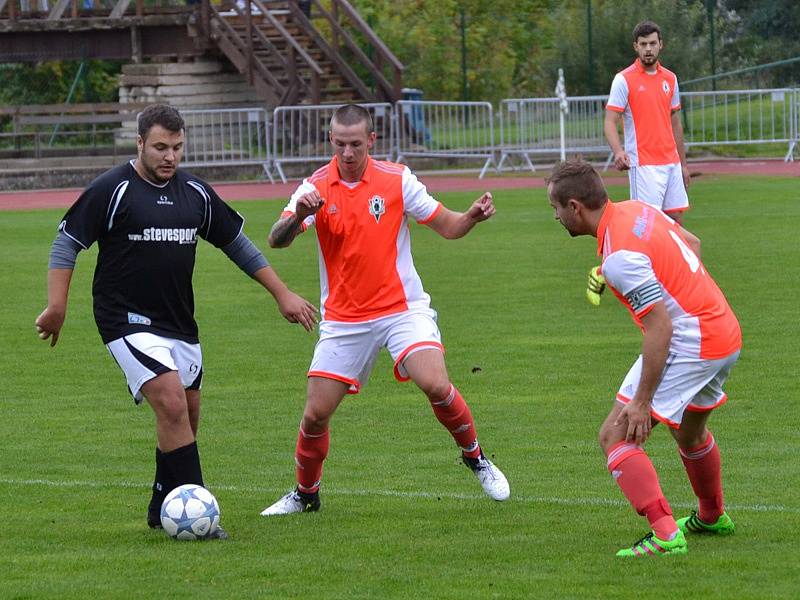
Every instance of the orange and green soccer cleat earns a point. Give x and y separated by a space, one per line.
692 524
650 545
595 286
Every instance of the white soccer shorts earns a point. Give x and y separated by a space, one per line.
143 356
660 186
686 384
347 351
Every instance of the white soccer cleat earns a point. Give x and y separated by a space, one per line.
493 482
293 502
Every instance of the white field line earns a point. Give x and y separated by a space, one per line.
332 490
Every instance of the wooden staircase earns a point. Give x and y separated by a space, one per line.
289 60
327 54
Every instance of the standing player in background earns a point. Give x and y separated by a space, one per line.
645 96
691 340
372 297
146 217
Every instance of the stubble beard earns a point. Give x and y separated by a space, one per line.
152 174
649 61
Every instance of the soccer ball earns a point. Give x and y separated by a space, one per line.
190 512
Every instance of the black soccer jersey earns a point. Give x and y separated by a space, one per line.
147 238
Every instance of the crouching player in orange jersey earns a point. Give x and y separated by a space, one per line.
691 341
372 296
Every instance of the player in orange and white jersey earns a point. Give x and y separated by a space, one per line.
645 97
691 341
372 296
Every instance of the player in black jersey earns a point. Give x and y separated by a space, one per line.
146 217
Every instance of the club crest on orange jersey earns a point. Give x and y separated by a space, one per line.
665 87
377 206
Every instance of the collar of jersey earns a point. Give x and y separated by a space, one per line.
640 66
145 179
602 226
333 171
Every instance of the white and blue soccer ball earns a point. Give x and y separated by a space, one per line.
190 512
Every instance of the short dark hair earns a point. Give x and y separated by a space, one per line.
353 114
577 179
159 114
644 29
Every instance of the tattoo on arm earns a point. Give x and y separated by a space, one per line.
284 232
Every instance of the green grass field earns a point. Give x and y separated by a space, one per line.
401 517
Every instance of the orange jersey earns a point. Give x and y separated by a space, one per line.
365 263
646 102
646 259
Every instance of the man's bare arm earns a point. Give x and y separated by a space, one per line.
610 128
655 349
452 225
677 134
50 322
692 239
284 231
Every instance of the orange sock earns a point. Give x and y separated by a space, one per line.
454 414
704 467
311 450
636 477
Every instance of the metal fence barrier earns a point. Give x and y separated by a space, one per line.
531 126
300 133
434 129
768 116
794 143
223 137
411 128
445 130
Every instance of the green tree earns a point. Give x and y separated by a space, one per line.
765 32
683 29
500 38
514 48
50 82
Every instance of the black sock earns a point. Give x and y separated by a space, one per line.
306 497
161 487
182 465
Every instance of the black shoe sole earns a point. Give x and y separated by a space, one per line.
219 534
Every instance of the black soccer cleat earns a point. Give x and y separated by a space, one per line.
154 520
219 534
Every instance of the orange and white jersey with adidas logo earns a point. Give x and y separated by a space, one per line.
646 259
646 101
365 264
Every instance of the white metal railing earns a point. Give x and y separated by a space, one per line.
221 137
433 129
741 117
793 144
300 133
445 130
531 126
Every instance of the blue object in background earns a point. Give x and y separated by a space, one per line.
415 117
